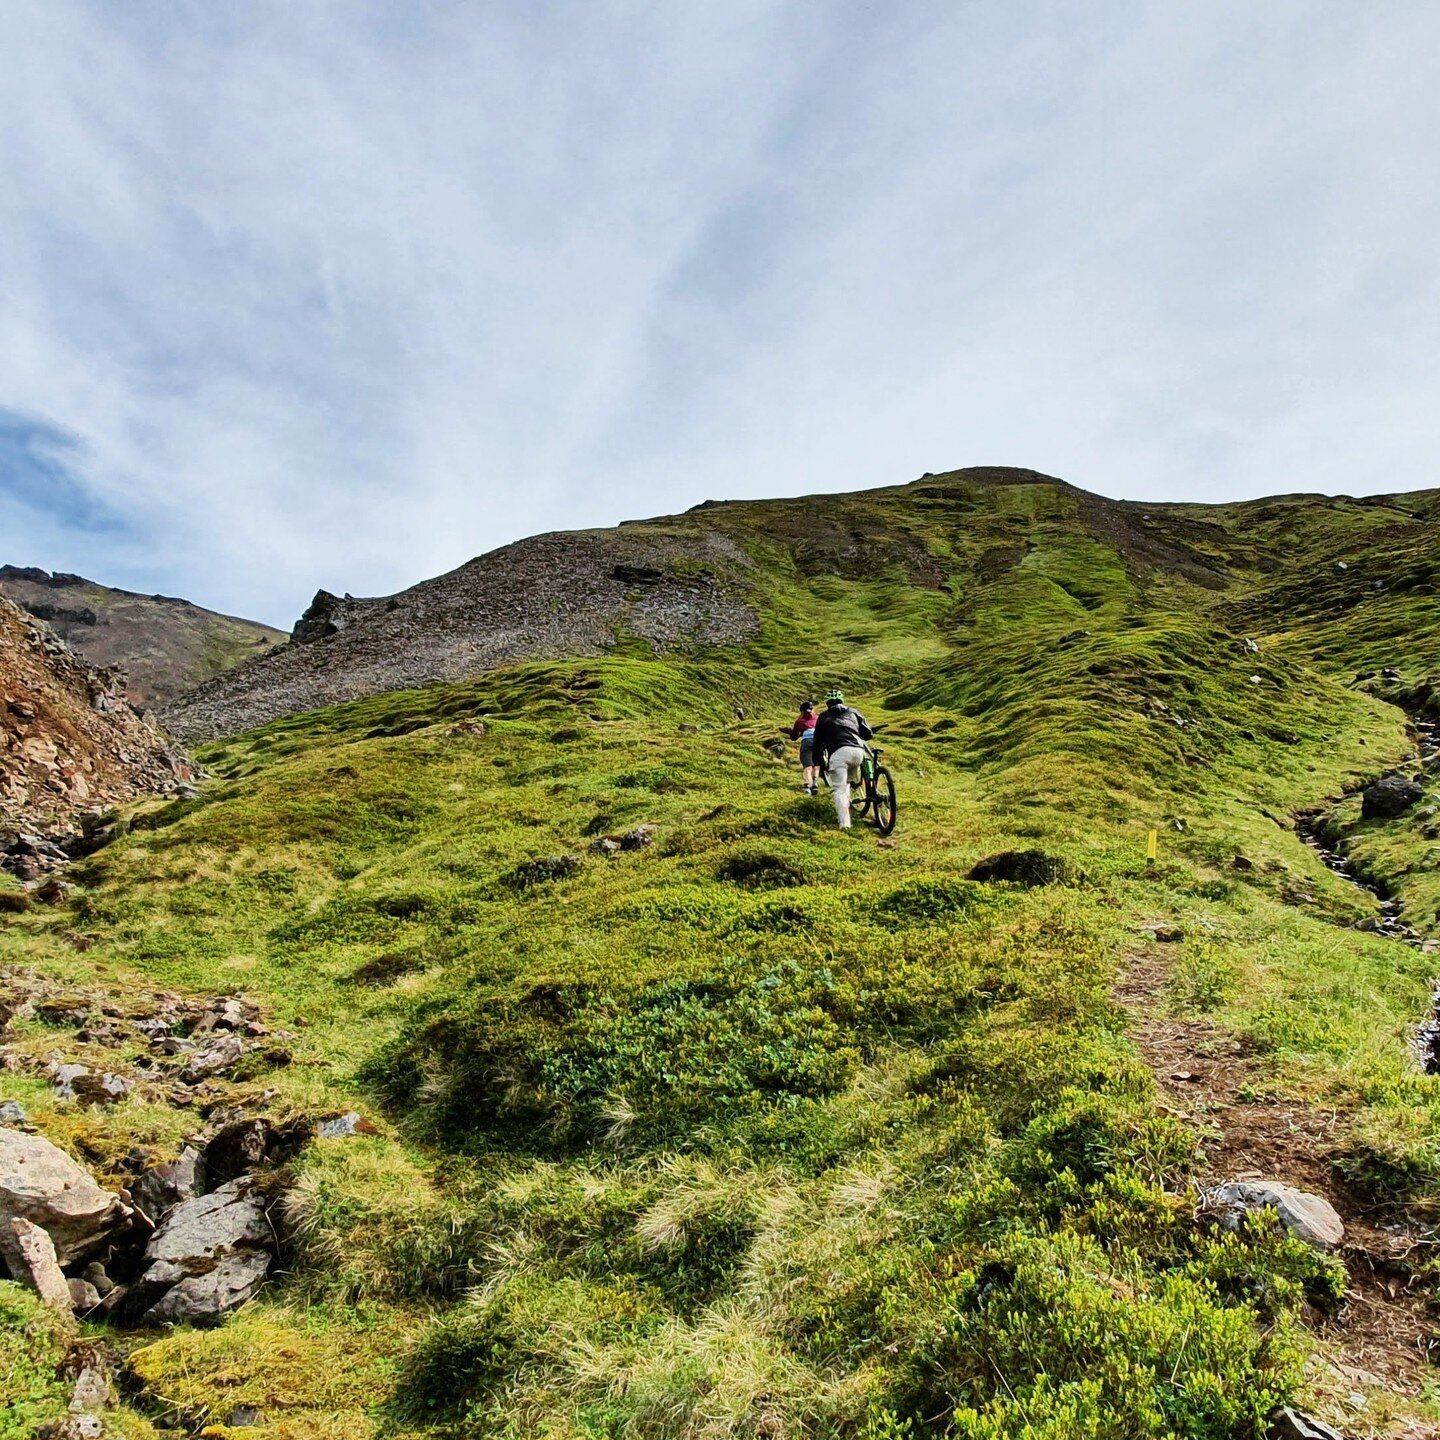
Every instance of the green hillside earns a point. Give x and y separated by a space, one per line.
767 1130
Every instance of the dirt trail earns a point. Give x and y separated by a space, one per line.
1382 1337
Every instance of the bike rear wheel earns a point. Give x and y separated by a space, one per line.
861 795
884 801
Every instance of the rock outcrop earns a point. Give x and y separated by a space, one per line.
211 1255
69 741
328 615
42 1184
157 646
553 595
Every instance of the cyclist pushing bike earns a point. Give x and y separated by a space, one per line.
840 736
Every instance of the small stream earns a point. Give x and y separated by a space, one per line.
1390 923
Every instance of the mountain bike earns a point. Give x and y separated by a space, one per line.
872 791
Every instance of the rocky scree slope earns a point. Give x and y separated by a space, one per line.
157 645
551 595
68 741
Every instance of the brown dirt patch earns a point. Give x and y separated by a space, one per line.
1211 1078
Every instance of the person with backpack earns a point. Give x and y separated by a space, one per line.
803 730
840 734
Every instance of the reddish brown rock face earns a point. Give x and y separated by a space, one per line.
156 646
68 741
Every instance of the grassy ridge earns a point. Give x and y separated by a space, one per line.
763 1129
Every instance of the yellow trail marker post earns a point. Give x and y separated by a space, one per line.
1152 847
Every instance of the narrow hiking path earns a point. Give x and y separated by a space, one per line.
1381 1338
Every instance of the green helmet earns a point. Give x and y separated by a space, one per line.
834 697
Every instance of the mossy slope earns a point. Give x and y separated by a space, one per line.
763 1129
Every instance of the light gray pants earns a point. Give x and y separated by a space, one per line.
837 773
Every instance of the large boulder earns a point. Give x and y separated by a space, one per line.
44 1185
210 1256
1307 1216
1389 796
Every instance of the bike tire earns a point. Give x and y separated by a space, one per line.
861 794
884 794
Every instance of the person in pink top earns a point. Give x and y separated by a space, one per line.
803 730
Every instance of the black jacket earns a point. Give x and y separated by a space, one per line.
837 727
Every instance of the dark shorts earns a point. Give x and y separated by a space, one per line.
807 748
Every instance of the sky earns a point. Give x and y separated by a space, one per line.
341 293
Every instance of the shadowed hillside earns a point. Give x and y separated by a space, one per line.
686 1114
162 646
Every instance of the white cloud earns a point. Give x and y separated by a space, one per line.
344 293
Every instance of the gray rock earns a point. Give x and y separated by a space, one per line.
342 1127
605 846
1307 1216
639 837
95 1274
210 1256
162 1187
103 1089
221 1054
29 1255
243 1416
72 1427
84 1297
237 1148
232 1216
202 1299
12 1112
230 1014
111 1302
92 1391
40 1183
1289 1424
64 1078
1390 796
